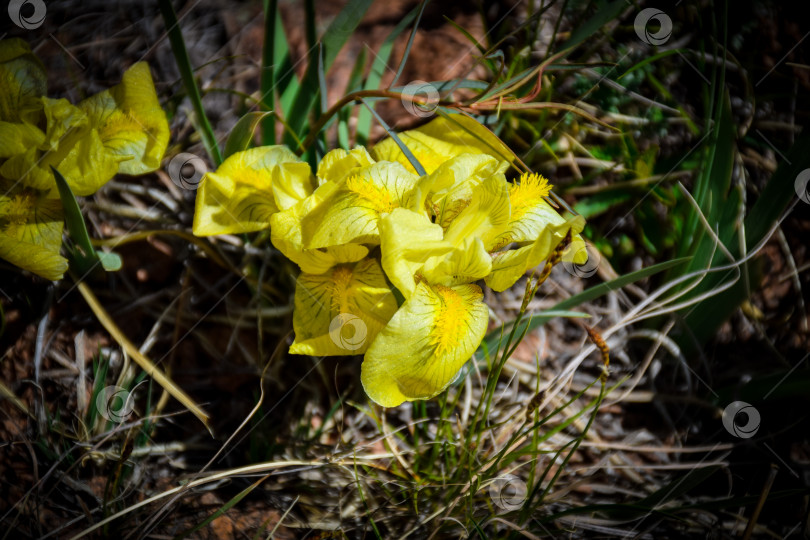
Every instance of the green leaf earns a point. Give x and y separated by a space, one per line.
242 133
354 83
409 45
110 261
85 258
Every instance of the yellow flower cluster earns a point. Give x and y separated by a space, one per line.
389 258
120 130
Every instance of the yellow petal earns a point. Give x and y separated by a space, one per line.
443 139
530 211
407 240
465 264
16 138
486 216
292 183
285 233
449 188
425 344
31 230
508 266
338 163
35 258
71 146
340 312
351 211
130 122
241 195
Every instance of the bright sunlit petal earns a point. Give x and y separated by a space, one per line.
425 344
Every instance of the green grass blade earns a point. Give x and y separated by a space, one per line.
354 83
268 78
243 132
332 41
286 80
605 12
705 317
225 507
391 133
493 338
209 140
375 75
779 192
85 259
408 47
712 188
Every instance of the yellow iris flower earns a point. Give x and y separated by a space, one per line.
368 230
120 130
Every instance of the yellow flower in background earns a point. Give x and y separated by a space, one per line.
71 147
31 230
22 84
120 130
130 122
